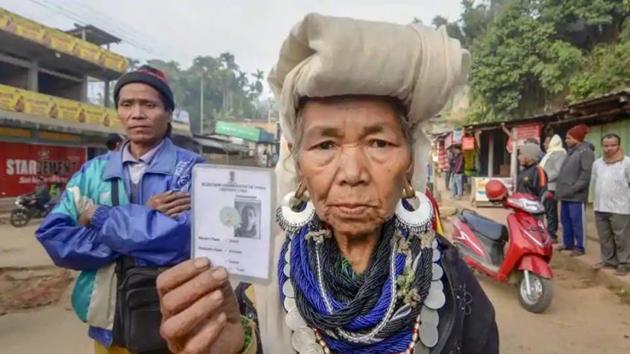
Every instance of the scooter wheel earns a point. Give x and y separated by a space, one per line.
19 218
538 299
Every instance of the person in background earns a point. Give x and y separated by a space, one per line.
55 187
447 170
532 178
551 163
572 187
42 194
114 142
611 177
456 165
536 142
130 205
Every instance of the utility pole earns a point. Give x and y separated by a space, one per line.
201 98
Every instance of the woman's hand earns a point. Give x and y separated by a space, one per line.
200 314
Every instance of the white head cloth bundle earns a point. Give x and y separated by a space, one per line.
331 56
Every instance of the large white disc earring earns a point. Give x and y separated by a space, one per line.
294 212
416 220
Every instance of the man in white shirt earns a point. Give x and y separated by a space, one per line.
611 178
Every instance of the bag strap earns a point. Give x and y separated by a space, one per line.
115 191
124 262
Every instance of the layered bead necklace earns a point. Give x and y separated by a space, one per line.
391 308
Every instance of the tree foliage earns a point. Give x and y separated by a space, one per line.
228 92
532 55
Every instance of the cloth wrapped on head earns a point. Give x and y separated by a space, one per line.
579 132
330 56
531 151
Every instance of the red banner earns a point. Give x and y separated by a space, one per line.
528 131
525 132
468 143
21 164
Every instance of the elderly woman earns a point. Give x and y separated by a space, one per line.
359 267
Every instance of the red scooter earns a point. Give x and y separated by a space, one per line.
525 261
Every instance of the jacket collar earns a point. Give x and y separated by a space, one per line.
580 146
163 162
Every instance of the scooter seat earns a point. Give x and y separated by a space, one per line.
484 226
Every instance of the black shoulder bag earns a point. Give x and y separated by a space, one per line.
137 315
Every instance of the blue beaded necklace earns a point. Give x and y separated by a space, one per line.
306 281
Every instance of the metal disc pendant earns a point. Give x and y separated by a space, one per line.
302 339
436 255
437 285
420 348
429 336
437 272
287 289
313 349
429 317
294 320
290 304
287 269
287 254
435 300
434 244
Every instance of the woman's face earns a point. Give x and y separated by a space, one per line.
354 160
251 218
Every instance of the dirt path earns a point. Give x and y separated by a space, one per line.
49 330
584 318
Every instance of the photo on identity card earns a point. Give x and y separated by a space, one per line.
249 210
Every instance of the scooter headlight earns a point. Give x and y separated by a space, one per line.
531 206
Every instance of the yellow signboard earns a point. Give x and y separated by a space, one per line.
53 136
5 18
9 97
27 29
37 104
67 110
60 41
22 101
113 61
110 119
94 114
87 51
15 132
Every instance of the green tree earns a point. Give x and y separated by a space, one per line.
228 92
609 69
534 53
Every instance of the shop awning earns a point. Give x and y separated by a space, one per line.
221 146
23 120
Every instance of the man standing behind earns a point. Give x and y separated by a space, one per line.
122 210
551 163
456 165
611 177
114 142
572 189
532 178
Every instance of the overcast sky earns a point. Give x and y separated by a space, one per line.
252 30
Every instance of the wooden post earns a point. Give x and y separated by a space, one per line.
491 156
514 155
514 161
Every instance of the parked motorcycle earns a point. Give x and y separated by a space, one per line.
526 258
26 209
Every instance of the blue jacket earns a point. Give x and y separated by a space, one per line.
149 236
